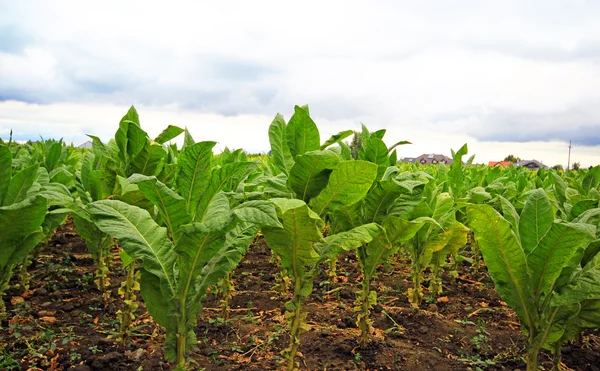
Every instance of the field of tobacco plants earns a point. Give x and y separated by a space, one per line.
138 254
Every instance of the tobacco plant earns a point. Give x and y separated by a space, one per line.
200 239
543 268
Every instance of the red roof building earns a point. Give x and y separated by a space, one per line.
500 163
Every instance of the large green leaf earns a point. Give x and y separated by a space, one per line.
170 205
536 219
282 157
584 285
149 161
226 179
294 243
379 199
140 237
553 252
505 260
376 152
195 163
310 173
17 222
301 133
348 184
258 212
20 185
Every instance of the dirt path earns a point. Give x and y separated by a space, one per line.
61 323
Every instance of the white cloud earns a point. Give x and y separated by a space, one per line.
475 70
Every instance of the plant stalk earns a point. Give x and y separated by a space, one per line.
296 325
364 317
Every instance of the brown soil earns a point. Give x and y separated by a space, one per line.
61 323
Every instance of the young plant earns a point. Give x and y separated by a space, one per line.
200 239
439 230
539 269
24 212
302 248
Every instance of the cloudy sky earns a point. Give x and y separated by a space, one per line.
520 77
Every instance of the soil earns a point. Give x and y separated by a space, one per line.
60 322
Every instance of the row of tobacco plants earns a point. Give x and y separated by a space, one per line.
185 217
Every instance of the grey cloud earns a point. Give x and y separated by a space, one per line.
579 124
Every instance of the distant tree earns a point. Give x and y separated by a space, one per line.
576 166
512 158
558 167
356 144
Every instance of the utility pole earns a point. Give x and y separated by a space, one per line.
569 160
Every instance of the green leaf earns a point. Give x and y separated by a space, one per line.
171 132
126 260
376 152
379 199
170 205
400 143
20 184
505 260
554 251
282 157
337 243
456 176
536 219
336 138
294 243
510 214
17 222
149 161
348 184
310 173
53 156
5 171
140 237
580 207
301 133
195 163
130 138
226 178
259 212
584 286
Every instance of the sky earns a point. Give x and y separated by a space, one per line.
505 77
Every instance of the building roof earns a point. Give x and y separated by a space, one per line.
500 163
531 164
433 158
87 144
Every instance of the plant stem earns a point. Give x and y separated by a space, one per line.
531 358
127 315
181 336
5 274
364 322
227 290
416 294
556 357
296 325
435 284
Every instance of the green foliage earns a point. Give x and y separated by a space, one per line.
536 263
